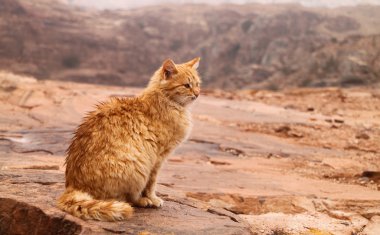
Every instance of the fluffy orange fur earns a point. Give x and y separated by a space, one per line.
116 153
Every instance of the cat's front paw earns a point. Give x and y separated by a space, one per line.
156 201
144 202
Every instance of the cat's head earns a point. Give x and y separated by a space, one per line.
178 82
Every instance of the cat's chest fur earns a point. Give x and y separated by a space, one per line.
172 129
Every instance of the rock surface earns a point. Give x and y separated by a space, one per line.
255 163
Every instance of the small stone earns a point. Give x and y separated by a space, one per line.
374 175
362 135
296 134
364 179
337 120
335 126
215 162
282 129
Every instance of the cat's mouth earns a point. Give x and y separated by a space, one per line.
186 100
191 99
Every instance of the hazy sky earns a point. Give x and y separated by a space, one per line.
113 4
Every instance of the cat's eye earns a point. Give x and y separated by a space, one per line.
187 85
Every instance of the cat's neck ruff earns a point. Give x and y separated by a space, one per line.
158 99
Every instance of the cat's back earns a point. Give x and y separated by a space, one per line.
113 112
111 120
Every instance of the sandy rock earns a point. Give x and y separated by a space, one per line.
220 172
373 227
298 224
28 207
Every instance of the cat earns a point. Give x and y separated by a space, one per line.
116 153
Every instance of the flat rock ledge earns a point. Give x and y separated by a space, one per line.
27 206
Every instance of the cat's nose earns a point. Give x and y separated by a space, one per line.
196 94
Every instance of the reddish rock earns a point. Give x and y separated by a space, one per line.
223 180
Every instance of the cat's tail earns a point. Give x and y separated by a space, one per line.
84 206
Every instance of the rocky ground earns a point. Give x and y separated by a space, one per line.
257 162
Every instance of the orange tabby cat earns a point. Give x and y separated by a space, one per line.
118 150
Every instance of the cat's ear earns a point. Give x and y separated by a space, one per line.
194 63
169 69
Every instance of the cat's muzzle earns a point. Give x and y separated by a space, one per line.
195 96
